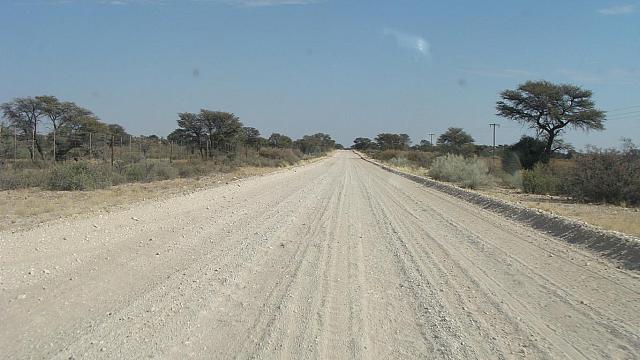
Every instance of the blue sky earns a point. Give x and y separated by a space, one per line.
348 68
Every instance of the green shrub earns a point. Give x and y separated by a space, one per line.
406 158
401 161
513 181
607 176
386 155
529 151
548 179
510 162
420 158
195 168
149 170
468 172
286 156
84 175
11 179
539 181
78 176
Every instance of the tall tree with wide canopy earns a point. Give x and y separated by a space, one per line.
387 141
315 143
457 141
251 136
75 133
280 141
550 109
24 114
362 143
60 113
190 130
223 129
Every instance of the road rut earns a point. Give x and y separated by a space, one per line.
336 259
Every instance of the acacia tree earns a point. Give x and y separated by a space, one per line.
316 143
190 131
387 141
208 129
60 113
76 131
280 141
251 136
550 109
457 141
362 143
24 114
223 129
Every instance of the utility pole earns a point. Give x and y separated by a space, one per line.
170 152
431 138
493 153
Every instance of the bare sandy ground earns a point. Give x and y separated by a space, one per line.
337 259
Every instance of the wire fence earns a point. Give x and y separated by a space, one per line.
16 147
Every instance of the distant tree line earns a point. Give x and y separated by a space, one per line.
67 126
60 130
549 109
211 132
454 140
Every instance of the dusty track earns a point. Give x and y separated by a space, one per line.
337 259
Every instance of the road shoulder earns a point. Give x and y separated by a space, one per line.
620 248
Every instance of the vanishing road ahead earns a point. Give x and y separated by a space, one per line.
336 259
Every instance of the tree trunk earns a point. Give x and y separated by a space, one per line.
548 147
36 143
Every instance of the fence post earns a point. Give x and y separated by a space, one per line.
89 146
15 145
54 146
33 143
130 150
170 152
112 140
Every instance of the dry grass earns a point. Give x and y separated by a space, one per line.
25 208
413 170
608 217
20 209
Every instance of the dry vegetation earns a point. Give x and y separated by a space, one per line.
609 217
25 208
550 181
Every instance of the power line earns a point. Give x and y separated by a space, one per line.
625 117
626 113
624 108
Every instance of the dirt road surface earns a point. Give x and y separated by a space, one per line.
337 259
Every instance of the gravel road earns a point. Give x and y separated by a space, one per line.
336 259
